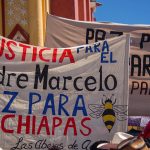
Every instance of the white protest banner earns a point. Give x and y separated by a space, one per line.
65 33
63 98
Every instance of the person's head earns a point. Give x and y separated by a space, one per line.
133 144
94 146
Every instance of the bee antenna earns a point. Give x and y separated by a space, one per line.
114 101
111 96
103 102
105 96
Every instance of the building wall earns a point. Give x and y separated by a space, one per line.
81 10
30 15
63 8
72 9
88 10
16 12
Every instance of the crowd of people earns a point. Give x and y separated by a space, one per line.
126 141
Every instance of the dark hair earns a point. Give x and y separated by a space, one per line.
95 144
54 148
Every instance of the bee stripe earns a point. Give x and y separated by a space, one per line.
109 127
109 123
109 112
109 118
108 106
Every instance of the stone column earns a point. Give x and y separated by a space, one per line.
36 22
0 17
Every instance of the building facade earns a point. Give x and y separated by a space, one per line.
74 9
25 20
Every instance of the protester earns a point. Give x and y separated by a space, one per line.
146 131
121 141
146 134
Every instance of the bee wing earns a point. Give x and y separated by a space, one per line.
96 110
121 112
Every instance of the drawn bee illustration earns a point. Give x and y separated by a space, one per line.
108 111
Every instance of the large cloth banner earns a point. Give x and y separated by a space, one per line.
65 33
64 98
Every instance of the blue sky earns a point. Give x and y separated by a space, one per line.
124 11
